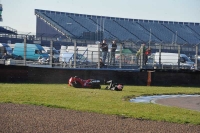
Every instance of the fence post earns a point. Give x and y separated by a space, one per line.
51 52
179 50
160 49
149 78
98 43
120 60
87 54
74 54
25 51
92 57
108 58
196 57
141 56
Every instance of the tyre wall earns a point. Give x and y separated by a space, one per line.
23 74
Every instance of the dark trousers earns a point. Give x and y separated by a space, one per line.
112 58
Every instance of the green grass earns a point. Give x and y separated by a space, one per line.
102 101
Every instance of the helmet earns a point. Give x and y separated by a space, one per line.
120 87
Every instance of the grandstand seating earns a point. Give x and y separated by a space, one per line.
138 32
159 31
123 29
195 29
183 32
116 31
85 22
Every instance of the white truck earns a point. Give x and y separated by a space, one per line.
169 61
90 51
54 52
66 58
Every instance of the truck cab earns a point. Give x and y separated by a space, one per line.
5 51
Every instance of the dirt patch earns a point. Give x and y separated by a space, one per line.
29 118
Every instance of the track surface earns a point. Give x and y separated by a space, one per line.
15 118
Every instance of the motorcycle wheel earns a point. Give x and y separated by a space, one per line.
76 84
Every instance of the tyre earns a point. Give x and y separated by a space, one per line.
96 86
76 84
18 58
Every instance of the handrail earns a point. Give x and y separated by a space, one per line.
85 52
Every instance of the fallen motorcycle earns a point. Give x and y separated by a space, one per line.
80 83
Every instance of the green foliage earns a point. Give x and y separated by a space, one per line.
101 101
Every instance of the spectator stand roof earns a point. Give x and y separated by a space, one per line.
82 26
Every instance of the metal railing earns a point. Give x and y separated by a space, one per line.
84 57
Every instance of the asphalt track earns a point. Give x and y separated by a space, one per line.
190 102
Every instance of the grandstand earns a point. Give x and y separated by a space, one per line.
63 28
76 26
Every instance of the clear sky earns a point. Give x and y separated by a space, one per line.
19 14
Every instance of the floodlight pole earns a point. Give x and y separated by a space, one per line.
103 27
176 38
150 39
97 30
172 39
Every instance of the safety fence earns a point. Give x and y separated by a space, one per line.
127 56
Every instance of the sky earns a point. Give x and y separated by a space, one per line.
19 14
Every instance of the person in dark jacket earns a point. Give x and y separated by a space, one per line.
112 52
5 56
104 48
146 54
102 65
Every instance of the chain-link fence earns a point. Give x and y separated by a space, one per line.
164 58
67 53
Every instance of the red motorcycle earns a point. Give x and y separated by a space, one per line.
80 83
